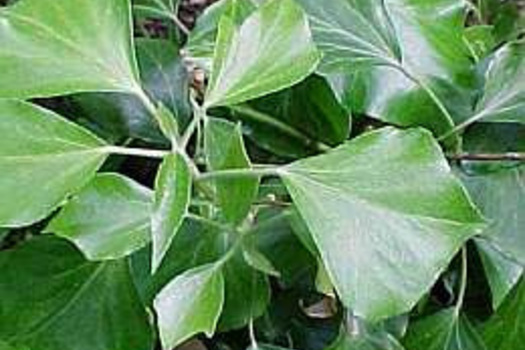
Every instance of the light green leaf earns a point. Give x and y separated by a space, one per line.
504 94
502 273
225 150
53 299
201 41
53 48
108 219
501 197
389 238
270 51
168 123
190 304
505 330
172 198
43 159
392 56
445 330
480 39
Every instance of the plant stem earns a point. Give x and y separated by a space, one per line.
490 157
284 128
137 152
463 281
236 173
208 222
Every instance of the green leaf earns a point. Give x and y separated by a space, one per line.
504 93
225 150
247 294
190 304
270 51
501 196
108 219
443 331
43 159
502 273
506 329
51 48
73 303
201 41
164 77
365 338
260 346
381 268
293 122
171 202
480 40
390 54
258 260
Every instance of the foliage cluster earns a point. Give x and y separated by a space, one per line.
340 174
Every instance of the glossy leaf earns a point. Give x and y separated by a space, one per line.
51 48
108 219
388 54
247 294
43 159
190 304
270 51
201 41
365 338
443 331
500 196
73 303
381 268
504 93
225 150
294 122
502 273
170 205
506 329
164 78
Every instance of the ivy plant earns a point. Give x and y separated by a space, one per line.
287 174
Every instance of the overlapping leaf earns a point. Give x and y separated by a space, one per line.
53 299
271 50
54 48
384 238
443 331
43 159
225 150
108 219
392 56
170 205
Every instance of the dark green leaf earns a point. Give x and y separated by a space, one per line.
502 273
445 330
190 304
164 77
43 159
381 268
172 198
53 299
51 48
501 196
506 329
247 294
108 219
270 51
225 150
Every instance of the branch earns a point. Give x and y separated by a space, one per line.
488 157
